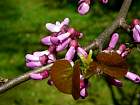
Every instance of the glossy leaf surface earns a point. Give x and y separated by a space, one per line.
109 63
76 81
118 71
61 74
110 58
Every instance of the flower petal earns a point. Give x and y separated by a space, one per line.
83 8
70 53
52 27
121 49
36 76
136 34
64 36
33 64
64 45
32 57
133 77
55 40
46 40
82 52
114 40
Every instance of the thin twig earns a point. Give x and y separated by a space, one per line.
98 43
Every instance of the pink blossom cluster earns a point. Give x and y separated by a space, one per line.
62 37
123 52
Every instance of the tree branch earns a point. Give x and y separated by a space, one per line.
98 43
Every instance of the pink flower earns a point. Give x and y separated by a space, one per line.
83 87
57 26
84 6
114 81
39 76
81 52
133 77
63 45
38 59
113 41
121 49
136 33
104 1
74 33
135 25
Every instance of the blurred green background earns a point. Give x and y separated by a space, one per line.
22 25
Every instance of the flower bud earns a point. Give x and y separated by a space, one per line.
133 77
39 76
63 45
83 8
103 1
136 33
113 41
121 49
70 53
135 22
52 27
82 52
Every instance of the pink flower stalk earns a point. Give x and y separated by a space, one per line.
133 77
104 1
57 27
121 49
84 6
113 41
38 59
39 76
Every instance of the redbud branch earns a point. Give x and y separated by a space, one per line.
119 22
98 43
22 78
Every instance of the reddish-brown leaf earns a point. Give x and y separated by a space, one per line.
113 71
61 75
76 81
110 58
91 70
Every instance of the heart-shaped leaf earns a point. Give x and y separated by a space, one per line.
61 75
76 81
110 58
113 71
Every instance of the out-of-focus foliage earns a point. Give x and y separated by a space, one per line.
22 25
